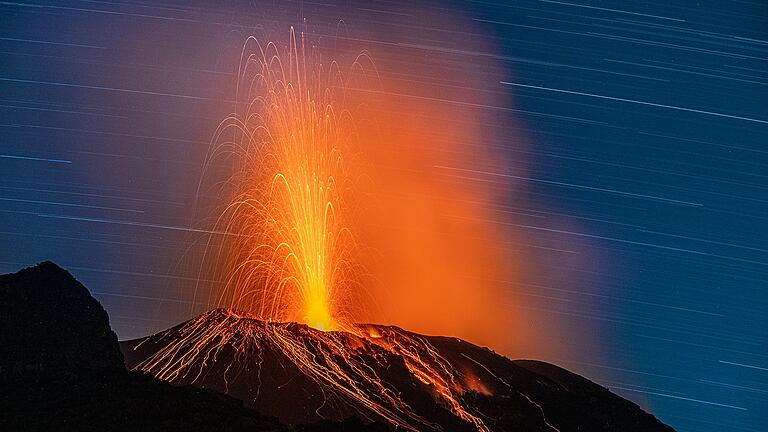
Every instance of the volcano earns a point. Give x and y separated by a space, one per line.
61 368
381 374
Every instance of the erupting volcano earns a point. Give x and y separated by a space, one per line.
287 254
283 330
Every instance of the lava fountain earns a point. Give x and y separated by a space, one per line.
286 251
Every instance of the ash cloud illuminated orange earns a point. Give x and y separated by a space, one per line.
440 262
443 256
440 255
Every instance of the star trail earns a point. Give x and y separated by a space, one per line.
633 135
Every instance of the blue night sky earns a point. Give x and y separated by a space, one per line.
645 165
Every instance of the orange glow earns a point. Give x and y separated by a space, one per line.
442 259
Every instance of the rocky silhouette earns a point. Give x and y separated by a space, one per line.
61 368
51 322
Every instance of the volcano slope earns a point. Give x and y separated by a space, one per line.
378 373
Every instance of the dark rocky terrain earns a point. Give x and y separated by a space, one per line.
61 369
51 322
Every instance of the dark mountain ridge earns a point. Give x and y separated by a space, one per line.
61 369
30 301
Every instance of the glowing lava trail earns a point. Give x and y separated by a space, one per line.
345 364
283 247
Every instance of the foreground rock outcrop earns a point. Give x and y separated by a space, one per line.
61 369
50 323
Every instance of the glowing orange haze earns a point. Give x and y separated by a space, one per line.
441 266
441 257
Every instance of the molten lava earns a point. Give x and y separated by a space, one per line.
287 250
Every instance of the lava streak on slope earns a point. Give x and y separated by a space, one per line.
383 373
369 369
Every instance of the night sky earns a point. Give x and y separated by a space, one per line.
640 187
